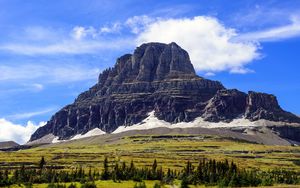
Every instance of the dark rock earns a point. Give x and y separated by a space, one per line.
8 144
16 148
265 106
157 77
287 132
226 105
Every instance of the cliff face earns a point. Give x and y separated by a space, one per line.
157 77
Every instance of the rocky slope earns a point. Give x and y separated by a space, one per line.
8 144
158 77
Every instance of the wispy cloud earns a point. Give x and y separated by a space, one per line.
209 74
138 24
35 40
80 32
273 34
27 115
113 28
37 86
21 88
47 73
65 47
212 46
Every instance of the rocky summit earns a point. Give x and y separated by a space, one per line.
161 78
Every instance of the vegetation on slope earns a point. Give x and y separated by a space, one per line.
171 153
207 172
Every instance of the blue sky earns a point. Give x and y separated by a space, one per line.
50 51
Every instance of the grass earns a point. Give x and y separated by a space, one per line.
100 184
170 153
149 184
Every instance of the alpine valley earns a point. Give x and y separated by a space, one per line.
151 121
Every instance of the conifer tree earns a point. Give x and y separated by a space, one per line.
105 173
42 163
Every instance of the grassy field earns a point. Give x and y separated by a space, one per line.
100 184
172 152
150 184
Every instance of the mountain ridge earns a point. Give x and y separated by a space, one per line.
158 77
8 144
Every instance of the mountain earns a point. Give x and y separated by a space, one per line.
160 79
8 144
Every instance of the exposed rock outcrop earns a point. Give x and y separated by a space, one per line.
225 106
265 106
8 144
157 77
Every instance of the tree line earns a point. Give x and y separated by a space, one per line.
207 172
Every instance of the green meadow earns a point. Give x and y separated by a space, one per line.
171 151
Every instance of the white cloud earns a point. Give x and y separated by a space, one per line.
73 73
21 134
64 47
207 41
273 34
37 87
37 33
33 88
138 23
80 32
31 114
63 73
80 40
114 28
209 74
241 70
212 46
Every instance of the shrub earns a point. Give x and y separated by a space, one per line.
140 185
89 185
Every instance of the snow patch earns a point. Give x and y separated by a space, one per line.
56 140
93 132
153 122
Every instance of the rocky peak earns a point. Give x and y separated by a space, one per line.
157 77
150 62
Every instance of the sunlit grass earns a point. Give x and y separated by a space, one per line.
170 153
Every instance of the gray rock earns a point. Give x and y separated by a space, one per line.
265 106
157 77
8 144
226 105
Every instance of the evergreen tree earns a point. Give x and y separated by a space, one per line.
184 183
154 165
42 163
234 182
105 173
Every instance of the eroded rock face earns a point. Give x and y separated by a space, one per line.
157 77
265 106
225 106
288 132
